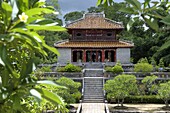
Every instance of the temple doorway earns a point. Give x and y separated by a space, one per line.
77 56
93 56
110 56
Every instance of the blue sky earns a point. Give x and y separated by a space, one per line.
77 5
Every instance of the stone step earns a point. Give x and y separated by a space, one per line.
92 90
88 94
94 82
93 97
94 73
94 85
94 65
93 100
93 93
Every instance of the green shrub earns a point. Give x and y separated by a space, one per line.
69 68
71 94
161 63
121 87
45 69
72 68
117 69
143 67
154 99
144 99
61 69
143 60
108 69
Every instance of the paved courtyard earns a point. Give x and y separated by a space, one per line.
145 108
93 108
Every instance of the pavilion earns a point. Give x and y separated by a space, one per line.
94 38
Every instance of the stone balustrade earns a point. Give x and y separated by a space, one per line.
139 75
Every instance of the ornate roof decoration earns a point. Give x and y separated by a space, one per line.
94 21
94 44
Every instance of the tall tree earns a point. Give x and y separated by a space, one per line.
155 15
19 43
164 92
72 16
120 87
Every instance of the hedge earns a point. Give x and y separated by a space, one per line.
151 99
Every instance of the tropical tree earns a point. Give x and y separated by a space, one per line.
150 84
72 16
19 43
164 92
72 93
121 87
94 9
143 67
117 68
155 15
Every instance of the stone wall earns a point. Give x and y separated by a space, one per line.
65 55
123 55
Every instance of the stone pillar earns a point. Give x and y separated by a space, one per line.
103 55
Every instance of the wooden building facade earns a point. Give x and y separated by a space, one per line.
93 38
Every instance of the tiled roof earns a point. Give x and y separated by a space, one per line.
94 21
98 44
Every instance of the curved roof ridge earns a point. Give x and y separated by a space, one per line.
75 21
94 21
114 21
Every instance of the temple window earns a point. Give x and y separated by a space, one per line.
78 34
109 34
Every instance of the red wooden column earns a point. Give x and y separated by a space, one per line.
114 55
103 55
84 56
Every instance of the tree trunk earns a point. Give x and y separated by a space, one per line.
118 102
166 103
122 102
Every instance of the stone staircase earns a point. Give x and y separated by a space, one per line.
93 83
97 65
93 90
94 73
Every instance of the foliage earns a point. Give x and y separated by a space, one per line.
33 106
94 10
46 69
144 99
121 87
72 16
164 92
153 14
39 72
19 45
143 67
108 69
52 37
143 60
140 99
71 94
69 68
150 85
117 68
161 63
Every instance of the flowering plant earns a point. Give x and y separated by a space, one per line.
19 44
